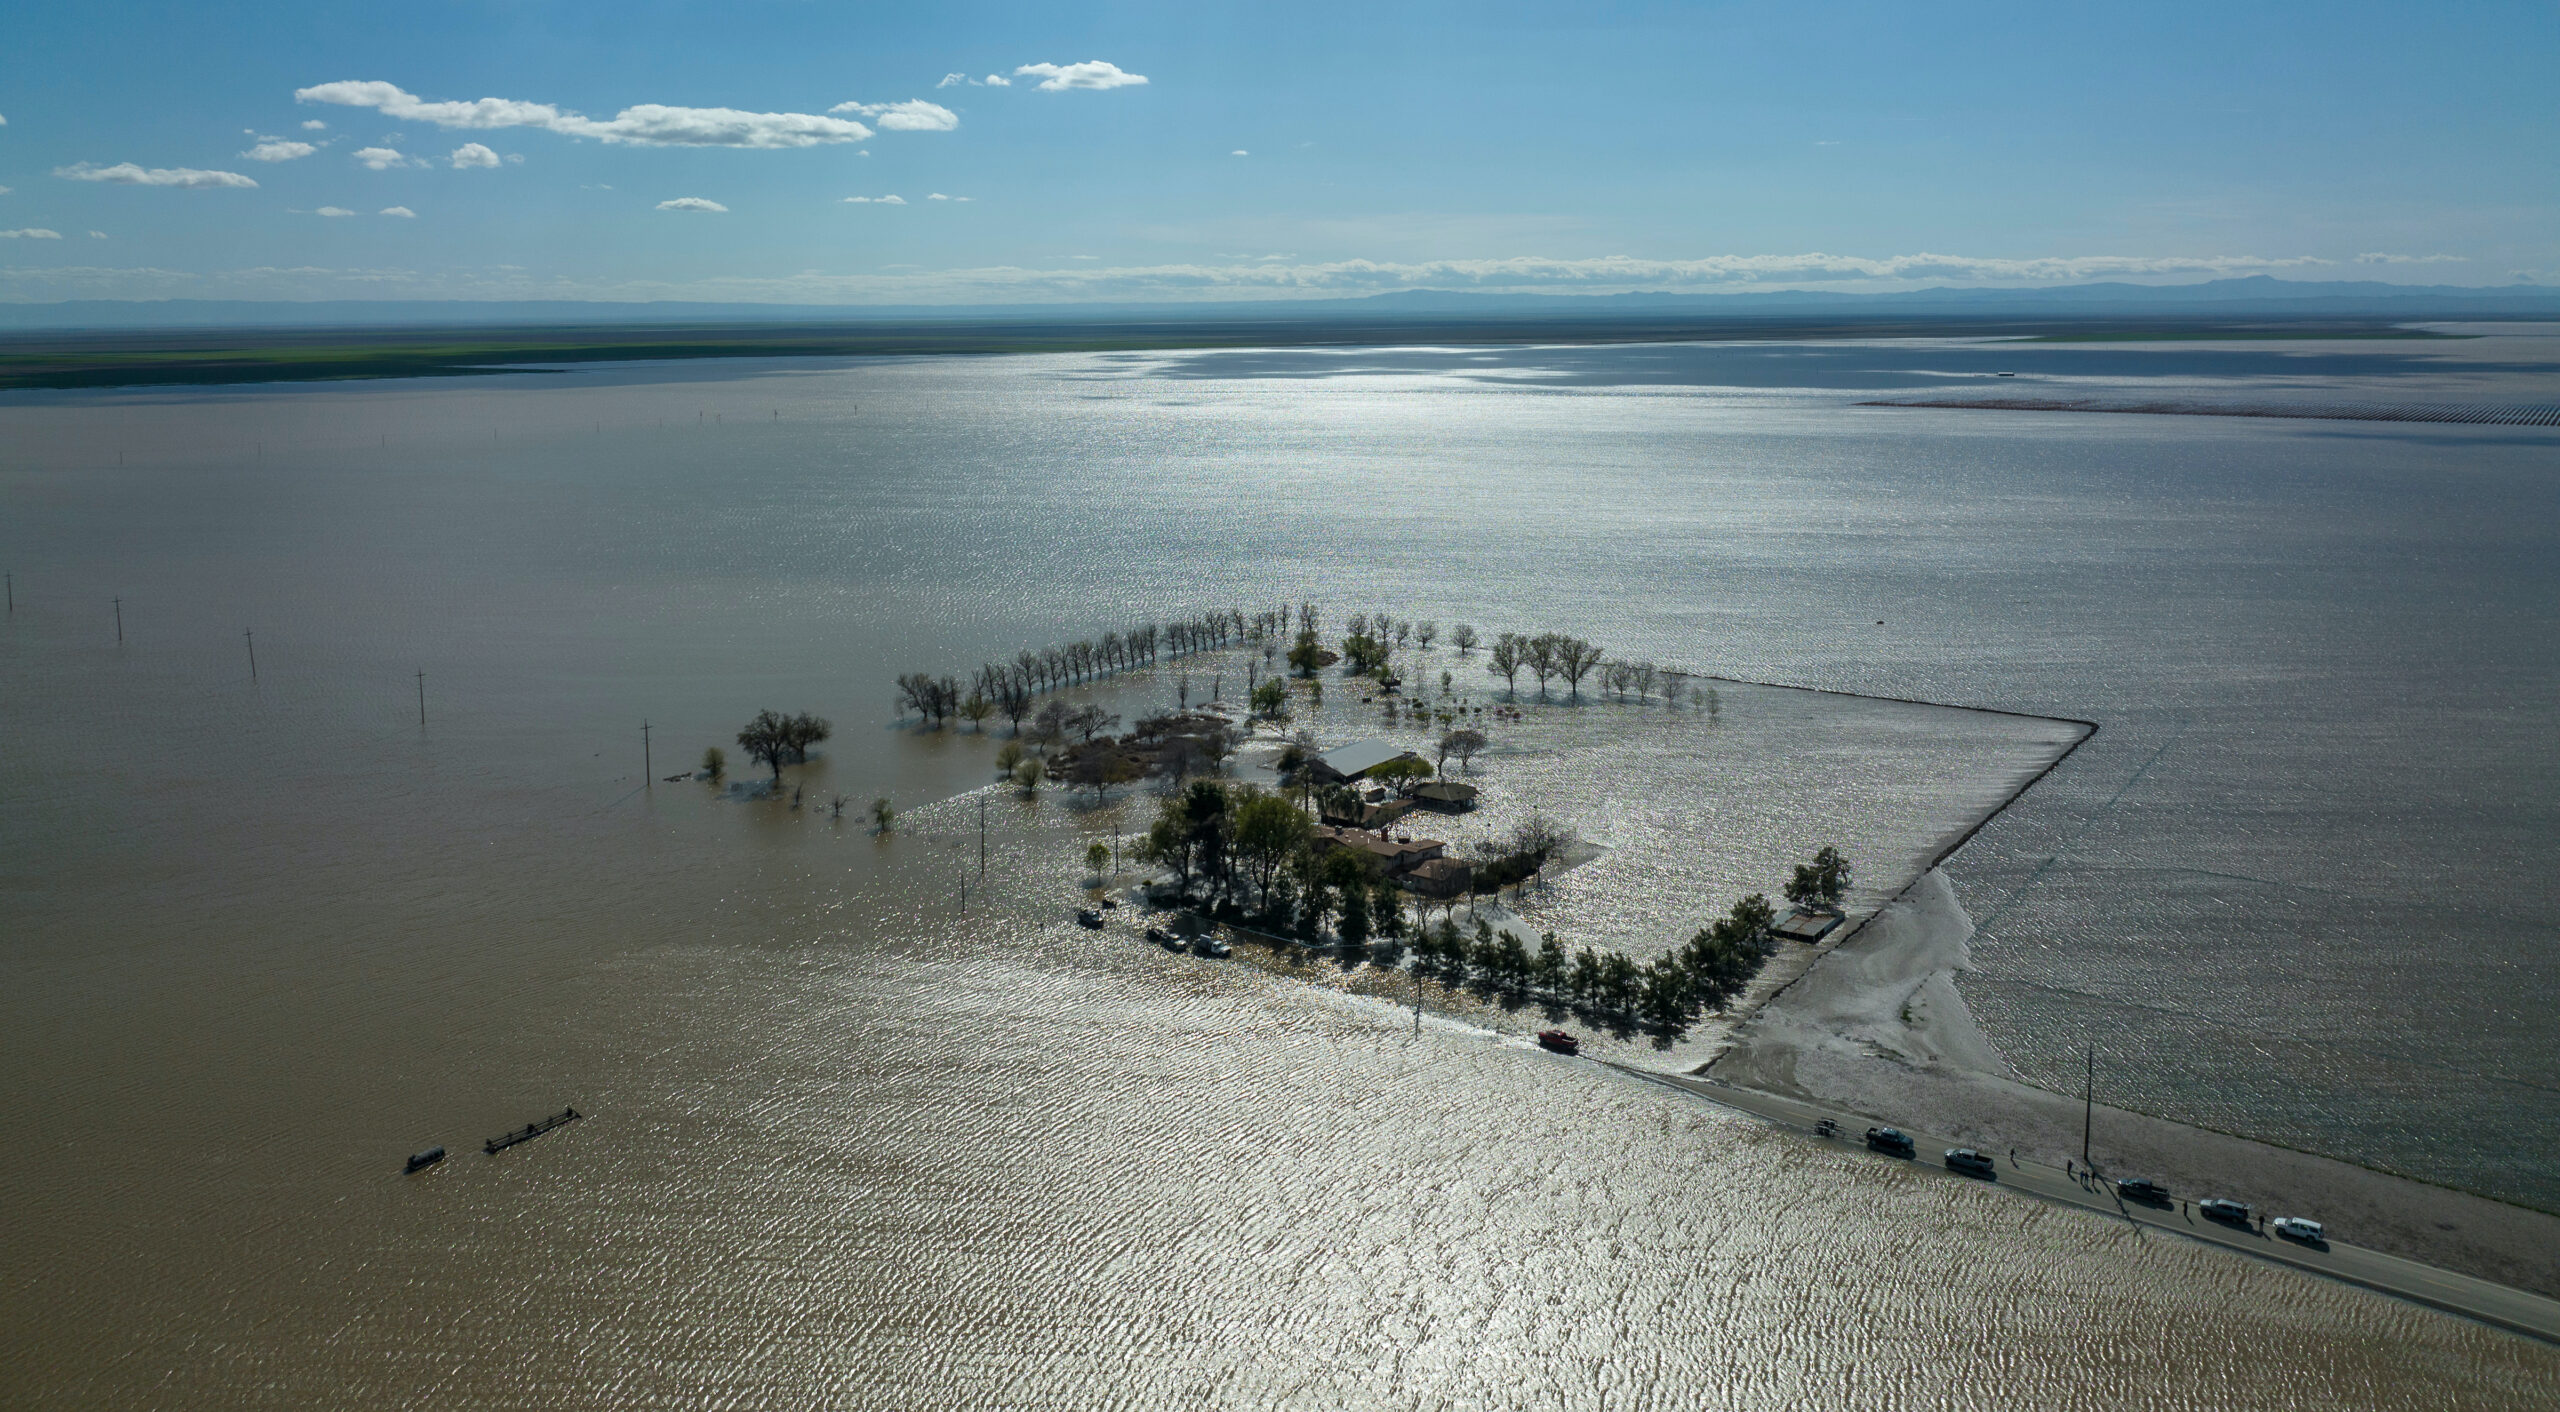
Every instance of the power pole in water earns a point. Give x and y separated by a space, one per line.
119 622
253 652
2088 1103
982 824
422 701
648 771
13 593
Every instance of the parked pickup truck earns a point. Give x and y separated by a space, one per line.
2144 1190
1891 1141
1971 1163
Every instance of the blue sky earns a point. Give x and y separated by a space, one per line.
658 150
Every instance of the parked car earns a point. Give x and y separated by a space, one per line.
1893 1141
2299 1228
1090 918
2230 1213
1971 1163
1559 1042
2144 1190
1211 944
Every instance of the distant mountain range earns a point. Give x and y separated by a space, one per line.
2254 295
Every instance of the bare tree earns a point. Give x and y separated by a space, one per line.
1091 721
1424 631
1574 660
766 739
1540 657
1463 742
1509 655
1464 635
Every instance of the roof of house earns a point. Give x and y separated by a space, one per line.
1387 850
1445 789
1359 755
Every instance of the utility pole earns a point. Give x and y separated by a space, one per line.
119 622
982 818
253 652
13 593
2088 1103
422 700
648 771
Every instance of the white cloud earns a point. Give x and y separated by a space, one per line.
127 174
997 81
938 196
333 211
1239 152
402 212
990 81
277 149
876 200
643 125
1092 73
2378 258
380 159
97 235
4 121
30 233
691 203
950 79
914 115
472 154
4 191
314 125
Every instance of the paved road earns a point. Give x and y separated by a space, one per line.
2511 1309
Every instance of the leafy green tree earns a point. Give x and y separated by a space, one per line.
1665 996
1271 700
1097 857
883 817
1401 773
1269 831
1352 925
1550 968
1587 972
975 711
1386 910
1821 883
714 763
1308 654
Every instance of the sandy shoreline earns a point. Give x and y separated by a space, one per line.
1876 1025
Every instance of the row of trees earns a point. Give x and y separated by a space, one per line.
1011 689
1669 995
1546 656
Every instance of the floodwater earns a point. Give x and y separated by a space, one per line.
851 1145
